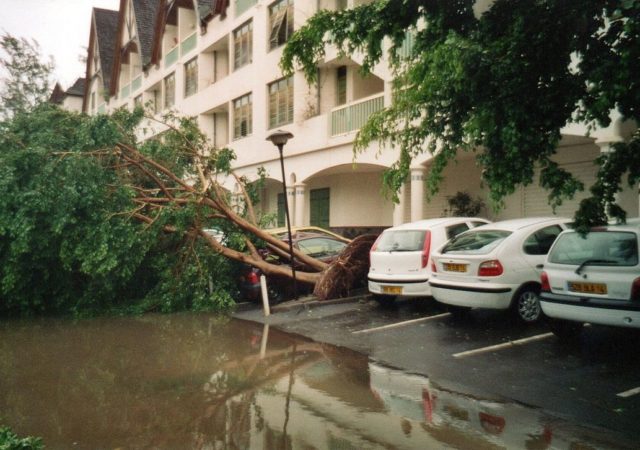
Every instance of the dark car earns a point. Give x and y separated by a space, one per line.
315 242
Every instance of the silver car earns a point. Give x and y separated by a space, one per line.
592 278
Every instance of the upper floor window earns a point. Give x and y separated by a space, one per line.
281 102
93 101
242 45
242 117
191 77
280 22
170 90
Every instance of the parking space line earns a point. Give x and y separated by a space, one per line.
504 345
401 324
629 393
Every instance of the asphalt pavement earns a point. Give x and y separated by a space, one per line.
593 382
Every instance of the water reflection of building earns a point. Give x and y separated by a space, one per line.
310 396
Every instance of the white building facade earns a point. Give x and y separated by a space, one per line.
217 60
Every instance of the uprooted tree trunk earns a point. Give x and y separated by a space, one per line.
160 188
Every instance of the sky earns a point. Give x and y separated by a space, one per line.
61 28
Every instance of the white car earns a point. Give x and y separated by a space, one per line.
400 257
593 278
495 266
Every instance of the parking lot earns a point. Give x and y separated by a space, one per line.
593 382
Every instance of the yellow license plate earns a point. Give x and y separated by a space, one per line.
449 267
395 290
588 288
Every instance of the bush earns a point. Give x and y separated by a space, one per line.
10 441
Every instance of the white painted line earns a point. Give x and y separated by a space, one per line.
504 345
629 393
401 324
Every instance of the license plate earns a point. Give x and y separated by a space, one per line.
588 288
395 290
449 267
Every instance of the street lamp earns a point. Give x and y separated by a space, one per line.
279 138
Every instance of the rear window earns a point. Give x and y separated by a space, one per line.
401 241
600 248
476 242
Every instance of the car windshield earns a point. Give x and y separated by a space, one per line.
597 248
475 242
320 246
401 241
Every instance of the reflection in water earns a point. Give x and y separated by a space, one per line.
204 382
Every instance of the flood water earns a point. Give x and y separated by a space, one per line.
205 382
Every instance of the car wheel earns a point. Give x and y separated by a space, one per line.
384 300
526 304
565 330
275 295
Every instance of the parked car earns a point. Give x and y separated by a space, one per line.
494 266
399 259
313 241
593 278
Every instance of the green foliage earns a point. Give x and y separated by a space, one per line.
27 78
502 85
10 441
68 243
463 205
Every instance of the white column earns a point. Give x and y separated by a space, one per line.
291 198
398 209
417 194
301 203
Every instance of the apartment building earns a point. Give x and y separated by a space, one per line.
217 60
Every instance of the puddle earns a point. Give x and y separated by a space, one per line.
205 382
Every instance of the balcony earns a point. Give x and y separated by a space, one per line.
102 108
243 5
124 91
136 83
351 117
188 44
171 57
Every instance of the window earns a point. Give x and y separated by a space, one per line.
281 102
475 242
402 241
280 23
156 101
191 77
137 101
597 248
280 217
242 45
93 101
170 90
454 230
242 124
540 242
342 85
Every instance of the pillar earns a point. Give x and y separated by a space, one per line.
398 210
417 194
301 203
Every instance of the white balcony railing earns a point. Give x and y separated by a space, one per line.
172 56
352 116
188 44
136 83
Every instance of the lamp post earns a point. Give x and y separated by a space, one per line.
279 138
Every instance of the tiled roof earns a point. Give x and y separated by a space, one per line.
106 29
146 12
57 95
77 88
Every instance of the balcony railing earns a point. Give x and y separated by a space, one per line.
171 57
124 91
136 83
352 117
243 5
188 44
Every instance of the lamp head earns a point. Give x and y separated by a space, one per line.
279 137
